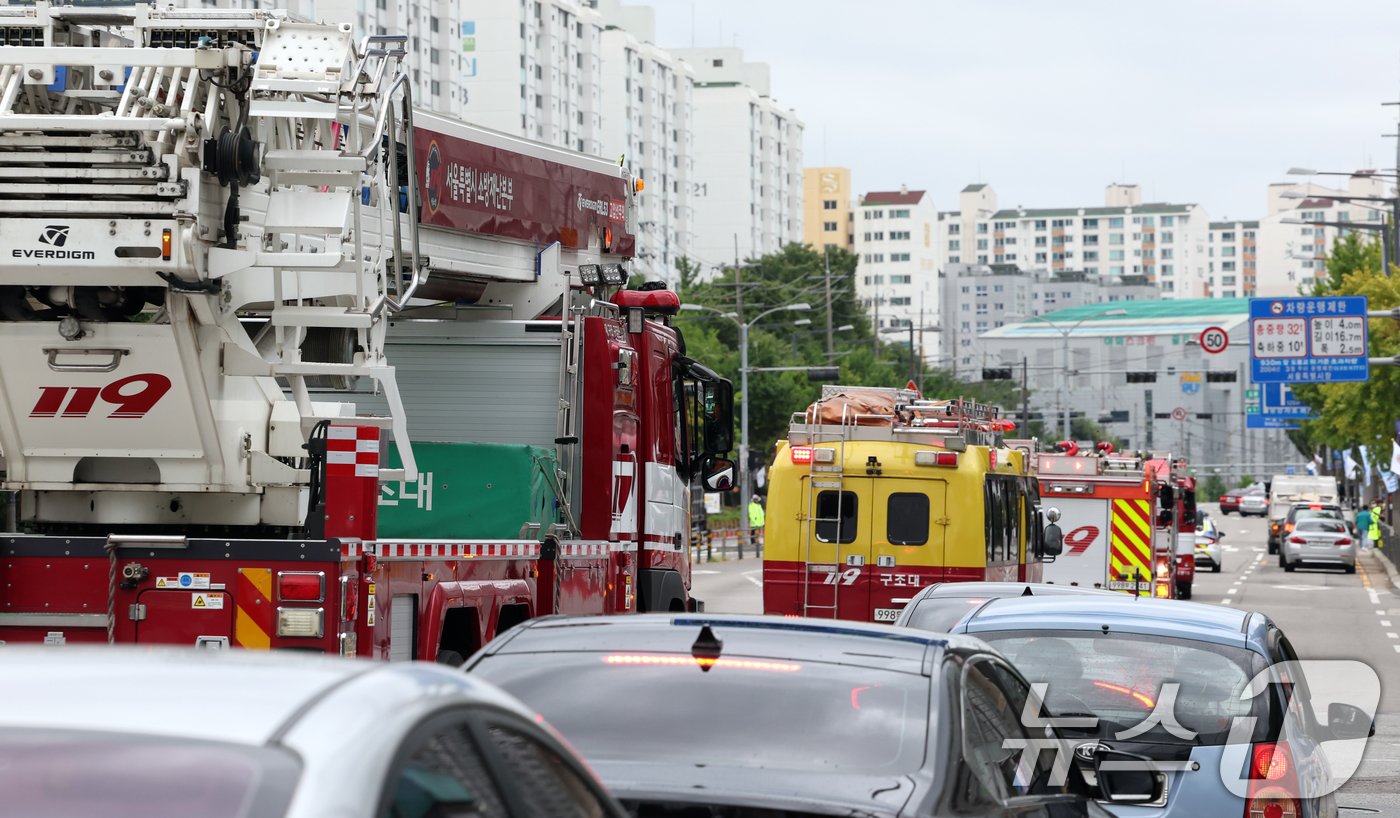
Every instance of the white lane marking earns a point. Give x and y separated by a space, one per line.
1260 550
1397 648
1226 601
749 575
703 571
1381 612
1392 635
1385 623
1232 590
1375 597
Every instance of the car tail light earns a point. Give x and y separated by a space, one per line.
349 599
1222 498
931 458
1298 540
1271 782
1287 527
301 586
301 622
1344 541
801 455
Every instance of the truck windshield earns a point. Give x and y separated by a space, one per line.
66 774
745 711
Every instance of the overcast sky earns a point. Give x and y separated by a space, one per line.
1202 101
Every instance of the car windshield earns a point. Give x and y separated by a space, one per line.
939 613
66 774
1123 678
743 711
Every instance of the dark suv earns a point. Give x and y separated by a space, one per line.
1303 511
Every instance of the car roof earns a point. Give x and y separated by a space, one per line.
815 640
1162 617
239 696
1001 590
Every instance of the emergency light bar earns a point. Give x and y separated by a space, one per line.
806 454
1066 464
931 458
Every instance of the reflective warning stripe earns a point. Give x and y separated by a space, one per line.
499 549
253 623
352 451
1130 540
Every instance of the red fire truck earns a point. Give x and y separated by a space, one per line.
1114 536
244 266
1177 494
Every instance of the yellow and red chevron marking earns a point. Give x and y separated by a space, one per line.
1130 540
253 622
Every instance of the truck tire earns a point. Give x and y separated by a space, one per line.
1183 590
660 591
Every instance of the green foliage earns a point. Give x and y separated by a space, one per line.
1356 413
796 274
1211 488
1245 481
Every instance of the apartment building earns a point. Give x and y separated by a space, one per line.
827 216
1232 259
981 298
1303 224
646 105
747 186
897 262
1166 243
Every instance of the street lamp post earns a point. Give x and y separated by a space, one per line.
1392 201
1064 337
745 487
1383 228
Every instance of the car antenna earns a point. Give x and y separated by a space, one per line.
706 648
1027 592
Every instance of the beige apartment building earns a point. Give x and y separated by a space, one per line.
826 208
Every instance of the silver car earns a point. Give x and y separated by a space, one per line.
1208 548
1256 505
1319 540
227 734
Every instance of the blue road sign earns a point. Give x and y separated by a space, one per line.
1308 340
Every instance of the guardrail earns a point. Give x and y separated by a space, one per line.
717 545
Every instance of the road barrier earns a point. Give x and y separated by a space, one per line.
716 545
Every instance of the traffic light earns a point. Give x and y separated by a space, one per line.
823 373
1220 377
1142 377
1205 416
1162 415
999 373
1117 416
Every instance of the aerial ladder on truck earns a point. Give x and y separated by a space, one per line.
223 228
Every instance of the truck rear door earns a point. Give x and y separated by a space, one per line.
909 529
837 547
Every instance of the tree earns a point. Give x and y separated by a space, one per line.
1352 413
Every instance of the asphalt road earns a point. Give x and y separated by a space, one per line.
1325 613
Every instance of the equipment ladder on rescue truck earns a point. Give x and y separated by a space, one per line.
878 492
228 228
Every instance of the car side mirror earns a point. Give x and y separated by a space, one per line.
1347 721
1127 778
1164 518
1054 542
719 474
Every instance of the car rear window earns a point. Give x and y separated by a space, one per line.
67 774
1300 514
743 711
1321 524
1121 678
939 613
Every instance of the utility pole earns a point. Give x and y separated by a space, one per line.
830 339
745 490
1025 396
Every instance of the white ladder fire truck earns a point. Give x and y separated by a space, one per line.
220 227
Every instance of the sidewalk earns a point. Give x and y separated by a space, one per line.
1386 557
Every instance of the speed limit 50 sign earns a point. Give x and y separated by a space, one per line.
1214 340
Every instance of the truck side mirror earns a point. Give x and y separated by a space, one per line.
719 474
1053 539
717 407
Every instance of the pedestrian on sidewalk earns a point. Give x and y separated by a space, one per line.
756 519
1375 531
1363 525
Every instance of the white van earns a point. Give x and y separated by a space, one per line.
1287 489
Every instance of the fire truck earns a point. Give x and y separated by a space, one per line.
238 265
1114 535
1177 496
879 492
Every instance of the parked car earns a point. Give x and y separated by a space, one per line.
749 716
939 606
124 733
1110 660
1208 548
1254 504
1320 541
1231 500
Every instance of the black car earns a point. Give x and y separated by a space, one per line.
942 605
704 716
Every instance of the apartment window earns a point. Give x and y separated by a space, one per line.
1091 224
900 301
1003 225
965 326
899 256
1116 270
981 289
1060 223
879 258
830 227
981 326
1091 255
899 214
1249 235
1166 252
981 227
955 259
967 308
879 236
1168 221
433 24
981 244
981 309
1115 255
1227 252
1039 224
899 235
1227 266
434 55
1091 240
1167 237
999 307
1115 223
954 229
954 245
965 289
1039 241
1227 236
435 87
1115 238
866 259
998 288
901 279
1040 258
827 204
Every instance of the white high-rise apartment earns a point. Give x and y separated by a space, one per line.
1233 253
896 246
747 179
1291 254
646 105
1165 242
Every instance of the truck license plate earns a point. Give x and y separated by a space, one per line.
886 614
